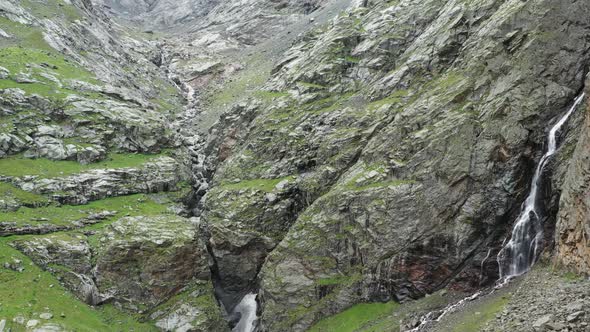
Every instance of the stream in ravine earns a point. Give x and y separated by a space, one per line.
247 311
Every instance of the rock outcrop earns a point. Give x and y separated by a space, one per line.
139 262
147 260
573 220
157 175
72 253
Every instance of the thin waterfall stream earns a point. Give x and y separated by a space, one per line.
522 250
247 311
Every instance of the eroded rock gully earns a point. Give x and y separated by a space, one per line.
320 154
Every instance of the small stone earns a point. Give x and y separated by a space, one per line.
574 317
32 323
19 319
282 185
556 326
576 306
270 197
46 315
372 174
541 322
2 325
62 315
4 73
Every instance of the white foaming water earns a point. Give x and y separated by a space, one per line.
521 252
450 308
247 310
524 245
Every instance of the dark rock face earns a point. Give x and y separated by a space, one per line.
238 257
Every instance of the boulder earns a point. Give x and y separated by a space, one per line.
4 73
542 322
194 310
146 260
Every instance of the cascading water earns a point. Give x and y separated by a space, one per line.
247 311
522 251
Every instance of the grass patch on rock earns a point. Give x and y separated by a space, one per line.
17 166
22 35
46 72
266 185
355 317
19 59
52 9
382 184
244 84
396 97
132 205
21 196
476 318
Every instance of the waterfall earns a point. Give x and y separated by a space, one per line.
247 311
522 251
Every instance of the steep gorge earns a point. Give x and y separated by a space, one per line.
163 159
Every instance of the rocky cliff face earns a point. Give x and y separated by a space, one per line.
392 121
571 234
161 159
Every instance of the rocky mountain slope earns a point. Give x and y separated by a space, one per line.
356 164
